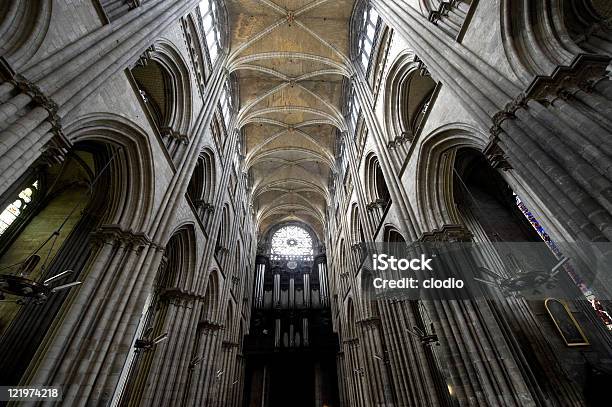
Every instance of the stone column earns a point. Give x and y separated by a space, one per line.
413 375
343 386
528 132
204 375
35 100
553 134
376 363
392 179
369 224
224 375
95 379
482 370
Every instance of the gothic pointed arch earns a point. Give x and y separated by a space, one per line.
174 277
132 166
392 235
351 319
435 172
223 237
202 185
540 36
165 86
377 192
79 201
210 307
409 90
228 321
23 27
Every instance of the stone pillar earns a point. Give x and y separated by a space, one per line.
413 375
553 134
368 222
355 373
475 352
205 374
392 178
225 374
94 314
56 85
343 386
376 363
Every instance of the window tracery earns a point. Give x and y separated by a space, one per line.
290 241
210 26
369 28
226 103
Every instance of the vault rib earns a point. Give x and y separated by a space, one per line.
301 150
257 37
309 7
344 58
289 55
334 110
260 98
274 6
259 147
302 109
272 72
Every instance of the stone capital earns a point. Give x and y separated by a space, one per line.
111 234
448 233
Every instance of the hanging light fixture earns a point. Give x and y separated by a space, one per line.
38 291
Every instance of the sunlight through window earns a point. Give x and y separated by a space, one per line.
292 241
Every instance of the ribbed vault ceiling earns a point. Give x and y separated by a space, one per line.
290 57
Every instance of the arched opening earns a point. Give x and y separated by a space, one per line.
392 235
376 188
210 305
201 187
492 212
358 239
229 319
46 243
482 195
414 94
587 23
173 274
223 235
380 61
155 86
163 82
351 328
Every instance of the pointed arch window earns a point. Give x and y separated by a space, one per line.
17 207
226 103
210 26
369 28
354 110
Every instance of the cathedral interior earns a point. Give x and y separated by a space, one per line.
190 190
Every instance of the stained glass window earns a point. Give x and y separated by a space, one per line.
291 241
13 210
569 269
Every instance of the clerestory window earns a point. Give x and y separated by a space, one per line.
210 25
